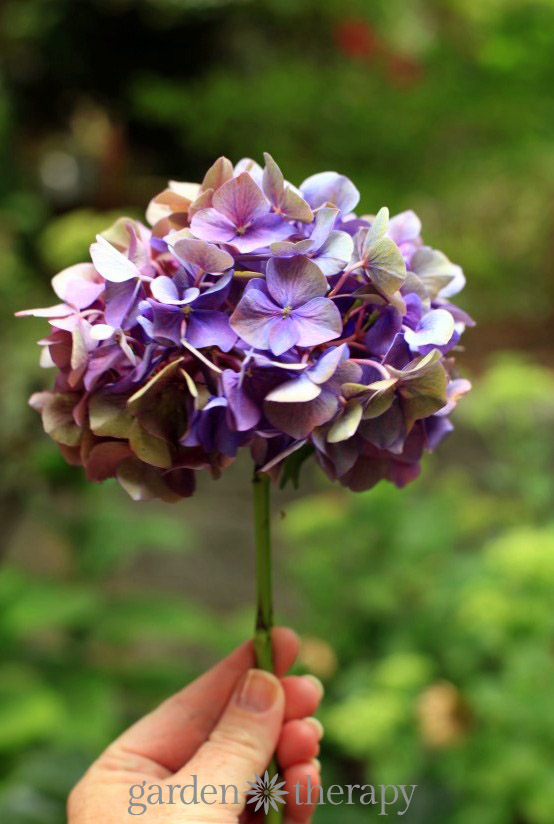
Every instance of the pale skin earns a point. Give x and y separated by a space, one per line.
223 728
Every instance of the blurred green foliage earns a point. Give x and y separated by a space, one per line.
438 607
427 612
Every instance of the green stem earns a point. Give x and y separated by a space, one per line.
263 643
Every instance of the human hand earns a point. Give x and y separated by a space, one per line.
223 728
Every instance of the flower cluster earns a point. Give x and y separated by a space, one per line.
253 314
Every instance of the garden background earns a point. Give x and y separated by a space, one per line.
428 613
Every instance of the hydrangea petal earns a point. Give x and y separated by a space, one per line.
327 364
264 231
335 253
205 256
210 328
330 187
111 263
250 318
297 390
318 321
299 420
404 227
283 334
241 201
211 225
294 281
436 328
78 285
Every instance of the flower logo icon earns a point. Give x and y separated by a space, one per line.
266 793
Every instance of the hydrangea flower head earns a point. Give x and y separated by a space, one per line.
255 314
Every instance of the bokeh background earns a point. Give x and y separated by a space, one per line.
428 613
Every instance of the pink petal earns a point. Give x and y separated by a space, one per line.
240 200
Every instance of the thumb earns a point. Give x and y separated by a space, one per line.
244 740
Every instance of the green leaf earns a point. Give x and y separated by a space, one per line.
293 465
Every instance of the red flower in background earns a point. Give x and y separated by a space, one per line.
356 38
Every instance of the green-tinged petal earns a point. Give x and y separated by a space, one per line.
416 367
377 229
57 416
143 482
385 265
109 416
415 286
294 207
380 402
424 395
347 424
434 269
148 447
154 384
219 173
298 390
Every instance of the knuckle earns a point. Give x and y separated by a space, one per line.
235 742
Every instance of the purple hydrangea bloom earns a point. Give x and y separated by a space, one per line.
253 314
288 308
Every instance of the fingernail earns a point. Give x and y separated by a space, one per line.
317 684
317 725
317 764
258 692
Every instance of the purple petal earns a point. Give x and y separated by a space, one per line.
299 420
294 281
167 323
436 328
286 248
324 221
335 253
327 364
164 290
294 207
241 201
210 328
380 336
219 173
404 227
436 429
245 411
110 263
78 285
209 224
100 362
273 182
283 334
201 255
318 321
60 310
262 232
251 318
246 164
330 187
122 300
